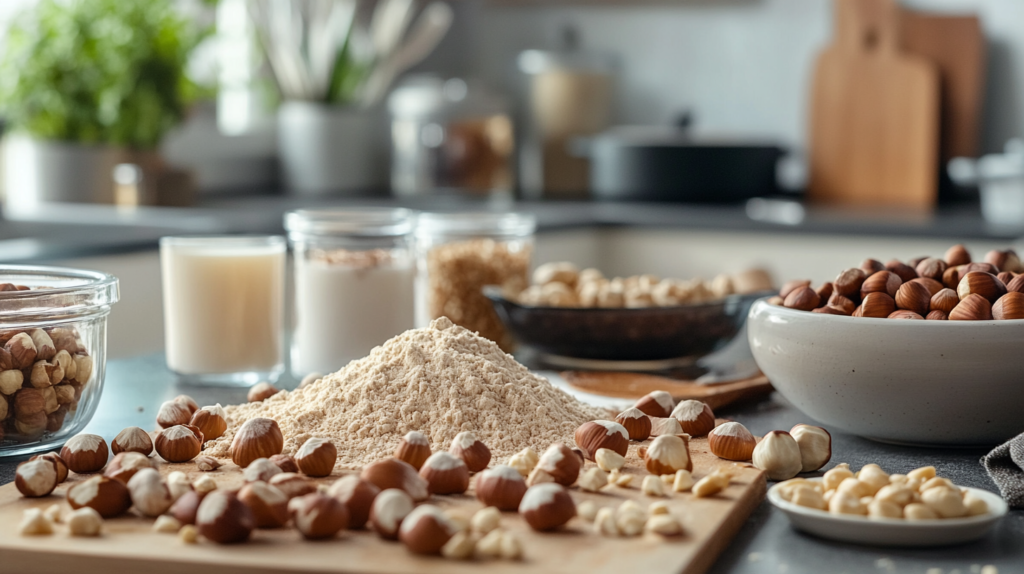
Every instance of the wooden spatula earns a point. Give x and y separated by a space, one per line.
636 385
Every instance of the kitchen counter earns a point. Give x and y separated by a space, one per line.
68 230
136 387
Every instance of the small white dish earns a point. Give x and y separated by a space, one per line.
889 531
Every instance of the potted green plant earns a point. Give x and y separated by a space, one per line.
88 84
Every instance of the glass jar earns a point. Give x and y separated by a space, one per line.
354 273
458 254
53 331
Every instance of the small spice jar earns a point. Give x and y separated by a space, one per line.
354 272
458 254
53 346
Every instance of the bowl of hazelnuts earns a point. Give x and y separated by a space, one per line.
926 351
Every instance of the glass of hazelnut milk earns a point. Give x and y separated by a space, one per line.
224 308
354 271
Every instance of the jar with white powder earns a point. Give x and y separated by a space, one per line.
354 272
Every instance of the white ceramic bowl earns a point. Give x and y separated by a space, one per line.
892 532
903 381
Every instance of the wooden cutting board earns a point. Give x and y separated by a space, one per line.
128 545
874 114
635 385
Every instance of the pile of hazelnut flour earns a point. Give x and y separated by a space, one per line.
440 380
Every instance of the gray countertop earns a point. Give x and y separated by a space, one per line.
766 543
64 231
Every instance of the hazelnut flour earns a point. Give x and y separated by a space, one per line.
440 380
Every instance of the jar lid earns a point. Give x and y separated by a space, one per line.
54 292
477 223
354 221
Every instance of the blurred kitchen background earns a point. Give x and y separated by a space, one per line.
676 137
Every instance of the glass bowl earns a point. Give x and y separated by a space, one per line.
53 347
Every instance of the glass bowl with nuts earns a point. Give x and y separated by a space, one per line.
923 352
53 340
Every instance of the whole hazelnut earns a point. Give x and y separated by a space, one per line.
501 487
985 284
594 435
414 448
547 506
793 285
695 417
178 443
125 465
173 413
36 478
357 495
825 291
945 300
445 473
668 454
389 509
656 404
1016 284
830 310
132 439
937 315
426 530
261 392
731 441
848 283
471 450
257 438
318 516
316 457
285 462
902 270
957 255
931 268
559 462
636 423
292 484
973 307
149 492
881 282
394 473
778 454
870 266
914 297
185 507
1004 260
1009 306
105 495
58 462
803 298
815 446
933 286
188 402
260 470
224 519
905 314
85 453
211 421
269 505
876 305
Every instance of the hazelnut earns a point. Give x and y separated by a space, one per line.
260 470
36 478
945 501
776 300
931 285
1005 277
524 461
1004 260
34 523
269 505
794 285
486 520
11 381
426 530
876 305
661 427
83 368
388 511
595 435
918 511
178 483
445 474
460 546
904 314
44 375
85 522
848 283
957 255
664 525
778 454
125 465
501 487
711 484
414 449
150 494
85 453
394 473
945 300
178 444
914 297
815 446
636 423
1016 284
357 495
474 453
188 534
592 480
656 404
318 516
559 462
285 462
902 270
1009 306
257 438
870 266
830 310
695 417
825 291
682 481
207 463
609 460
547 506
224 519
803 298
881 282
185 507
166 524
881 509
731 441
667 454
132 439
292 484
931 268
210 421
261 392
973 307
188 402
22 350
316 457
58 462
985 284
952 275
173 413
105 495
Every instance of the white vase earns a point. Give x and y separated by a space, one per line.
38 172
328 149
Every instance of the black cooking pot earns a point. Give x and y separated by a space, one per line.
648 163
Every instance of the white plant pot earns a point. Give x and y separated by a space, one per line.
329 149
38 171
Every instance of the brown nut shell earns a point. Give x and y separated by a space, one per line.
357 495
931 285
636 423
974 307
132 439
85 453
126 464
501 487
36 478
931 268
668 454
285 462
937 315
257 438
292 484
842 303
184 509
414 448
695 417
316 457
905 314
224 519
848 283
210 421
547 506
426 530
656 404
945 300
871 266
471 450
790 286
957 255
1009 306
902 270
178 443
978 282
269 505
732 441
58 462
388 511
394 473
594 435
876 305
914 297
561 464
881 282
106 496
445 473
318 516
802 299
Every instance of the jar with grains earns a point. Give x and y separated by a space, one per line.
354 273
458 254
53 344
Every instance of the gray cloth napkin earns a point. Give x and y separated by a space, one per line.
1005 465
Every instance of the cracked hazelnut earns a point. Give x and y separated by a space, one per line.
471 450
257 438
85 453
594 435
501 487
316 457
414 448
694 417
778 454
547 506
